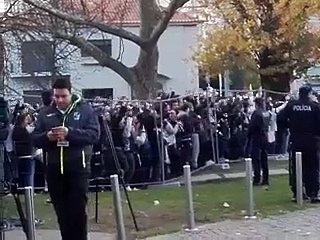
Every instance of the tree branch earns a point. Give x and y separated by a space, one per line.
167 16
80 21
103 59
241 9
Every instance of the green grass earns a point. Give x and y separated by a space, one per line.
169 214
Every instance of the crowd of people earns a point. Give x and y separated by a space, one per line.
180 130
156 136
73 141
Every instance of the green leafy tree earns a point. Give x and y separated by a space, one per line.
273 39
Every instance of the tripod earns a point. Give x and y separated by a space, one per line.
12 187
120 174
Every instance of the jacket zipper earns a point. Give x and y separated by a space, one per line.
63 125
83 159
61 148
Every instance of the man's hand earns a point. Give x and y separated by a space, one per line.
60 132
52 136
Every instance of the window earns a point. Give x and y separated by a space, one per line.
104 45
40 83
91 93
32 96
37 56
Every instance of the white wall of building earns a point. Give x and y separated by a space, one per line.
176 48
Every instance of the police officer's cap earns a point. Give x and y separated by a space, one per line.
304 91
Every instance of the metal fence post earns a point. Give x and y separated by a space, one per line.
249 183
299 185
190 210
30 213
121 234
162 153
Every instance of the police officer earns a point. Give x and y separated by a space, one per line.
258 140
302 117
66 131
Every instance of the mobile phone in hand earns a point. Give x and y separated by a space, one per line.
56 129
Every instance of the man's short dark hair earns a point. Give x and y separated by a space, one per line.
304 91
62 83
46 97
259 101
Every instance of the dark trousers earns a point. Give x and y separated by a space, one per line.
281 141
186 152
10 165
223 148
143 163
259 157
26 171
176 163
310 168
68 193
205 152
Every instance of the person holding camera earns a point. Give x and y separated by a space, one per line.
66 131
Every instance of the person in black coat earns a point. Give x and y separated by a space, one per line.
302 117
66 131
23 150
258 141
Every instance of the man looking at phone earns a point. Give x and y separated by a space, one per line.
66 131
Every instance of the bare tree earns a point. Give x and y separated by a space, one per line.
73 17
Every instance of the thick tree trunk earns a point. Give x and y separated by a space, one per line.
279 82
146 69
2 66
275 74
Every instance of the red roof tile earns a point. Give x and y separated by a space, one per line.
125 12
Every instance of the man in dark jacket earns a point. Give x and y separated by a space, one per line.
258 139
302 117
66 131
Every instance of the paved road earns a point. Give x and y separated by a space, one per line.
237 170
238 167
300 225
17 234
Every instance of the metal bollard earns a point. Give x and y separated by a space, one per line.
250 210
299 185
190 210
30 213
121 233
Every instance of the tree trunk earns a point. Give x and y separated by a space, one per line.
273 76
279 82
2 66
146 69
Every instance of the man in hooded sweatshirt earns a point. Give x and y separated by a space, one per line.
66 131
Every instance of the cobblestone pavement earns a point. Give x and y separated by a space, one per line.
292 226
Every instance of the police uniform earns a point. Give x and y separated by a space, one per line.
258 140
303 119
